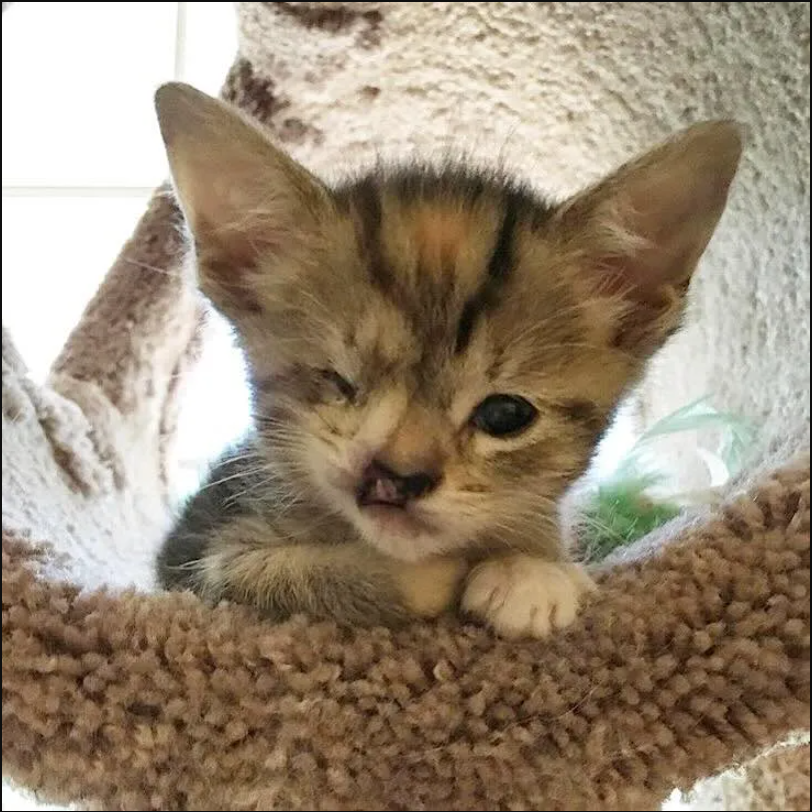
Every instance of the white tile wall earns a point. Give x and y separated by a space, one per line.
81 151
81 155
77 81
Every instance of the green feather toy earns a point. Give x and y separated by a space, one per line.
634 500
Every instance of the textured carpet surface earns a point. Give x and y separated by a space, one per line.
685 663
693 656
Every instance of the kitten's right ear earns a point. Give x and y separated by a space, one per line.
240 194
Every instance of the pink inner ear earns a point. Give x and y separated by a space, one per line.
654 303
229 285
630 276
613 277
232 234
665 236
645 277
227 266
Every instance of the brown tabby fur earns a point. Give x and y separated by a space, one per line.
428 289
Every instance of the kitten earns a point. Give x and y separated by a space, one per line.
434 354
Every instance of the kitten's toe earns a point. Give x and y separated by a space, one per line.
522 596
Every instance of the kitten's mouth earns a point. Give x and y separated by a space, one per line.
394 520
390 509
381 491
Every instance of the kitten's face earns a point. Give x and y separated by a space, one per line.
435 354
436 339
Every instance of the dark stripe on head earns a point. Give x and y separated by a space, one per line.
466 324
499 268
502 257
366 202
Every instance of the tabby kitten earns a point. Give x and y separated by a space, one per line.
433 354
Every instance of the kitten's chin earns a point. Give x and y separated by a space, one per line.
400 533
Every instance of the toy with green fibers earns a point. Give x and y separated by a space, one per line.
621 508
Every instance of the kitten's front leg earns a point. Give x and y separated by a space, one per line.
430 587
521 595
248 561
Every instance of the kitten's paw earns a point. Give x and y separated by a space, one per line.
430 587
522 596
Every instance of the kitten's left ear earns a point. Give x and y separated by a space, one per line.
240 194
641 231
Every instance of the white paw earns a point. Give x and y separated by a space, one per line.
522 596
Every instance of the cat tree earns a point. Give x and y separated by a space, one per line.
694 655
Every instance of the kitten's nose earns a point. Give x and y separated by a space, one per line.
380 485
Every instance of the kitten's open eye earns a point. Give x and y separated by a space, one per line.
341 385
503 415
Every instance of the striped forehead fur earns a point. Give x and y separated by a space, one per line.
462 205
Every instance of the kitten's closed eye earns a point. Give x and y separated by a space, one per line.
339 384
504 415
